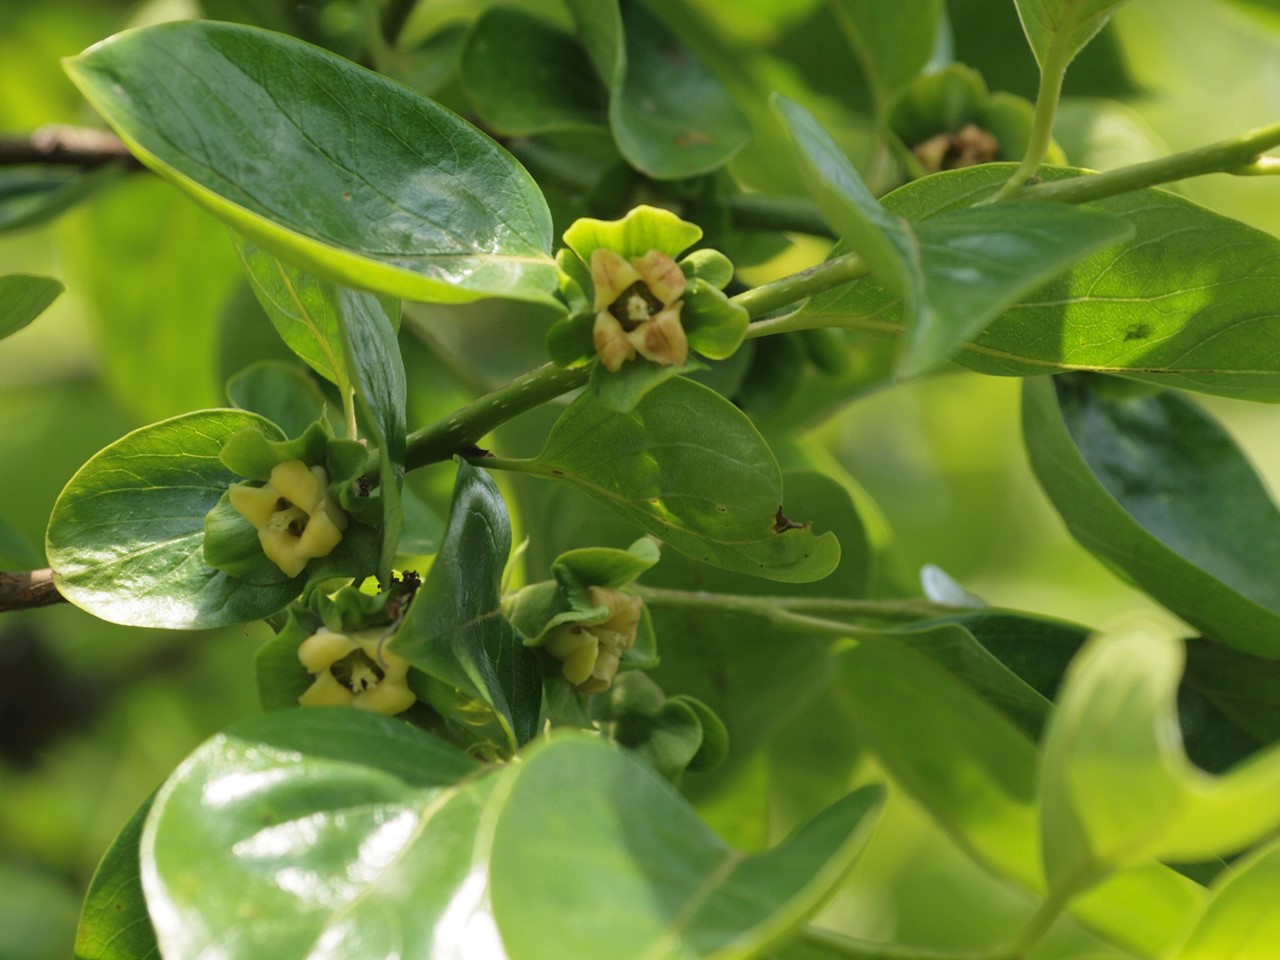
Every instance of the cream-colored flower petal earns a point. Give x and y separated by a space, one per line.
393 666
255 504
281 549
624 609
579 664
602 672
611 342
386 698
320 537
662 275
335 513
298 484
323 649
662 338
326 692
610 274
565 639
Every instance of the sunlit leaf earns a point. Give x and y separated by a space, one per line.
1240 921
304 153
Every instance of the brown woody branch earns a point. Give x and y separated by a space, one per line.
65 146
31 588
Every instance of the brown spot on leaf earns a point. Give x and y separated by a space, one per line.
782 523
694 138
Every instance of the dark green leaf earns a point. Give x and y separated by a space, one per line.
126 537
525 77
1142 482
337 187
893 41
114 924
1158 309
23 298
663 467
281 392
587 825
455 630
33 195
956 273
670 116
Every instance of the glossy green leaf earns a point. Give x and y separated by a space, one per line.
281 392
126 536
444 215
1141 482
976 774
114 924
525 76
1118 788
377 375
23 298
1240 921
645 876
1157 309
1064 26
455 630
670 116
309 827
893 41
157 328
954 274
663 466
30 196
306 311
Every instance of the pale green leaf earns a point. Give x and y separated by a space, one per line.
1063 27
1240 921
23 298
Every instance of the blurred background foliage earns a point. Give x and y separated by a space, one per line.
155 318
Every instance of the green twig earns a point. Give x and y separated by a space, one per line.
766 298
463 429
1241 155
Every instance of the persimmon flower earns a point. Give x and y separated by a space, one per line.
294 515
591 652
355 671
637 307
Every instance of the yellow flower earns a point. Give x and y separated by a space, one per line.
294 515
355 671
591 652
637 305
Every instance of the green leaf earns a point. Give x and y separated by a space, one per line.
444 215
524 76
23 298
114 924
1118 788
670 116
1059 29
455 630
956 273
377 374
892 41
279 391
30 196
607 567
588 826
1140 482
662 467
156 328
1185 303
305 311
976 774
1240 921
303 826
126 537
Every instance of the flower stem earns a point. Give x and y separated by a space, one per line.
766 298
463 429
1241 155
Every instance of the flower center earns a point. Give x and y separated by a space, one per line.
636 305
357 671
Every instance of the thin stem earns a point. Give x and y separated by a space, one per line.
30 588
65 146
463 429
796 611
510 464
349 413
766 298
756 211
1052 71
1240 155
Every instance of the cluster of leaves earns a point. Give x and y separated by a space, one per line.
1087 770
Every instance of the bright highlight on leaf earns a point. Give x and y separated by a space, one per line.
444 215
